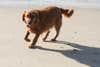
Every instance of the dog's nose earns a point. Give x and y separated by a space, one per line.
29 26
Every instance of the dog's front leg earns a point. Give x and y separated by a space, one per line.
34 41
26 36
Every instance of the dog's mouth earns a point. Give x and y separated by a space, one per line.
29 26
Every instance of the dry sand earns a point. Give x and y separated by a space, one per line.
78 44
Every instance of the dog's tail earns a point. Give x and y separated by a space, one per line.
67 12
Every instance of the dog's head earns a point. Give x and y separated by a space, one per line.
30 17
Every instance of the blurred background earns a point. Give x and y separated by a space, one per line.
30 3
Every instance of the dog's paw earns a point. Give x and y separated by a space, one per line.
44 40
53 39
27 40
31 47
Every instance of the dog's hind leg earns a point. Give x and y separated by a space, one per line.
26 36
44 39
34 41
57 28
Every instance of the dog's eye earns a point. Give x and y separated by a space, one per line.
29 15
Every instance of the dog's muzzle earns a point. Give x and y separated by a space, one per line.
29 25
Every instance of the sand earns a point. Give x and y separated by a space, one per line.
78 44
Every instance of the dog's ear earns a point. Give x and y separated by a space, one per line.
23 16
35 16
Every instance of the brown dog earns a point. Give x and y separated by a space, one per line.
41 20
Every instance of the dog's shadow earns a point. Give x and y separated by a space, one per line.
86 55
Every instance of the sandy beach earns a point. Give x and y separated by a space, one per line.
78 44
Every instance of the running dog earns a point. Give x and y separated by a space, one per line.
41 20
